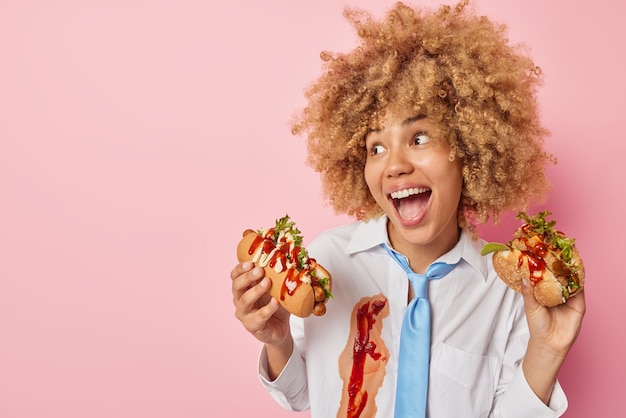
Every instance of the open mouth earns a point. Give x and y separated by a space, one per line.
410 203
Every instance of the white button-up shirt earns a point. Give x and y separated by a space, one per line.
479 333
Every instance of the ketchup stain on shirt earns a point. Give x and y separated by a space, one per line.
368 354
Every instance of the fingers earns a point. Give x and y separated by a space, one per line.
244 276
240 269
248 278
262 315
250 299
577 302
259 313
253 305
528 292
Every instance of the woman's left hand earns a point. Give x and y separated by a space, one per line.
553 332
555 328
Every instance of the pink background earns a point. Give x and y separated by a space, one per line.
139 138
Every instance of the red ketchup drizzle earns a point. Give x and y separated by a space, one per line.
362 348
258 240
267 246
279 255
536 262
293 275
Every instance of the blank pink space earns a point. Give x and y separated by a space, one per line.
139 138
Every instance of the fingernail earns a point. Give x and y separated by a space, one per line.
256 272
247 265
265 282
525 282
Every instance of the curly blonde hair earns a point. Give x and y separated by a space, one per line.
452 65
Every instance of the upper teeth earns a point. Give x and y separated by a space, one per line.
401 194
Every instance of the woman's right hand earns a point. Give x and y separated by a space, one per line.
259 313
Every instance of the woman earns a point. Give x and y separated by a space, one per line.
427 128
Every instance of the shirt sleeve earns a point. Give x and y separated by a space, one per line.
290 388
520 401
514 397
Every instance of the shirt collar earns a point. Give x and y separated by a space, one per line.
369 234
372 233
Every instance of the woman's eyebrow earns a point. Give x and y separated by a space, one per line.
412 119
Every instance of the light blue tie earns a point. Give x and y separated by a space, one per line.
414 358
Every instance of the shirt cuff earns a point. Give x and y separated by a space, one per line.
521 401
290 388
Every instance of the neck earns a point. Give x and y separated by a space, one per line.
421 255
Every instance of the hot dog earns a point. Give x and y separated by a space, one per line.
545 257
299 283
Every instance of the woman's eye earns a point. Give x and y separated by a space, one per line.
377 149
421 138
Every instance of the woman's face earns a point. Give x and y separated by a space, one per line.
410 175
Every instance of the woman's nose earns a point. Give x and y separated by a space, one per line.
398 163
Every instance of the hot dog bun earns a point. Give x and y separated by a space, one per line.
543 256
512 268
299 283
